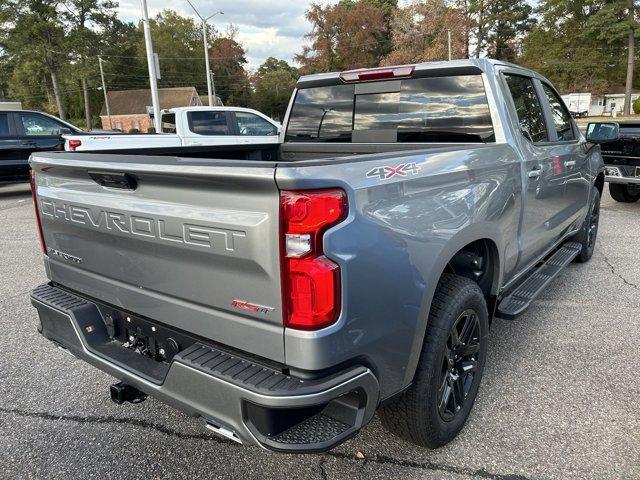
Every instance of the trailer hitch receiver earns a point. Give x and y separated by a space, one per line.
122 392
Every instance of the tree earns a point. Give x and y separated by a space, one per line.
419 33
274 82
178 42
228 62
579 46
81 40
344 36
33 34
630 56
508 20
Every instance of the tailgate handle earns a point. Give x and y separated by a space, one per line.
125 181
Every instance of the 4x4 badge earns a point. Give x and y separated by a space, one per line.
387 172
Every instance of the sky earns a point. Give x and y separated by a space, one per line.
267 28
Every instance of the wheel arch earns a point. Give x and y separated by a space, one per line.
599 183
479 236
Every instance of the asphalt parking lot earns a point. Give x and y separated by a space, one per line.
560 398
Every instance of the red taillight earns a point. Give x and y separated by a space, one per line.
32 179
310 281
370 74
73 144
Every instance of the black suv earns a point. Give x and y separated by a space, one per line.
23 132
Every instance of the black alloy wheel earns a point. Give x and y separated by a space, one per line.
594 221
459 364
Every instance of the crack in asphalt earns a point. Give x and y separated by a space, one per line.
114 420
376 458
621 277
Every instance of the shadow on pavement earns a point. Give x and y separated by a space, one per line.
14 190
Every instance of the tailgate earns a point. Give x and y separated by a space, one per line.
182 241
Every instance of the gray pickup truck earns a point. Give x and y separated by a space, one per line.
285 293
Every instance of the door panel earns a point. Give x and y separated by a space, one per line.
571 152
209 128
38 133
543 205
13 156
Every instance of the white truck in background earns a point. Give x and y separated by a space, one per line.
186 127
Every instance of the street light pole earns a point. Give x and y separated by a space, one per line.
206 49
155 99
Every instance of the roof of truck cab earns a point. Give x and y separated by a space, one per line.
456 67
221 109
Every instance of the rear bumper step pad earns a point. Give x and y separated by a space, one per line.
515 304
259 404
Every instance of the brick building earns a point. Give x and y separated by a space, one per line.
128 108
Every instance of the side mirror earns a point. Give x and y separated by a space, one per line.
601 132
64 131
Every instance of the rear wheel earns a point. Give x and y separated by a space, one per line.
624 193
436 406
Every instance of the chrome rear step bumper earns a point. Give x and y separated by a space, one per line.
236 396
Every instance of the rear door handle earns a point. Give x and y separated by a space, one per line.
535 172
28 143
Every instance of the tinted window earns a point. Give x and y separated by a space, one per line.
442 109
169 123
561 118
209 123
528 108
322 114
39 126
250 124
4 125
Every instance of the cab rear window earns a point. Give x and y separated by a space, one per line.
436 109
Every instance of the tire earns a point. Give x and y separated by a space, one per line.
589 232
417 415
624 193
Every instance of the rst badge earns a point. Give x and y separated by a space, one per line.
387 172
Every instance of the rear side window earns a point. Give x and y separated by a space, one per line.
438 109
209 123
528 108
169 123
561 118
252 125
4 125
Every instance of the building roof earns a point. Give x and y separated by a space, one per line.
619 89
217 101
135 102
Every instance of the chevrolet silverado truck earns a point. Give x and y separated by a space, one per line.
187 126
620 144
285 293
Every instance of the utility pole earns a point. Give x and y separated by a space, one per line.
210 88
630 58
449 41
155 99
104 90
213 89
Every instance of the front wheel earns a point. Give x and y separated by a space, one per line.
624 193
436 406
589 233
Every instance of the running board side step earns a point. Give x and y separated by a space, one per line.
515 304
